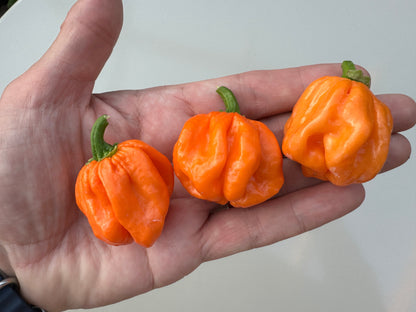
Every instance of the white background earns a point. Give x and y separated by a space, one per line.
365 261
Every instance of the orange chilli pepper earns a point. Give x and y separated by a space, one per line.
124 189
225 157
339 131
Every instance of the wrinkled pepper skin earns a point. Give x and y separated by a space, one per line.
225 157
125 193
339 131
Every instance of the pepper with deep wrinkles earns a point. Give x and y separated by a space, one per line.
124 190
338 130
225 157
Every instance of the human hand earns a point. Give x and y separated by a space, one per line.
46 116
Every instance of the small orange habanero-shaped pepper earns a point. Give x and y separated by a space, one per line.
339 131
124 190
225 157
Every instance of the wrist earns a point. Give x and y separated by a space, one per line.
10 298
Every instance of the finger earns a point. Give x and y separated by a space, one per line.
403 110
83 45
234 230
399 152
259 93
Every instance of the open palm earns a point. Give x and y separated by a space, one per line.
45 121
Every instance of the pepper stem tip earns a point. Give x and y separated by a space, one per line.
100 148
231 104
349 71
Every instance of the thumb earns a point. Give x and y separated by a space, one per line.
83 45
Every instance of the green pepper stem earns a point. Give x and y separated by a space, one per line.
100 148
231 104
349 71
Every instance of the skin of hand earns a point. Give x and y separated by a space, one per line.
45 122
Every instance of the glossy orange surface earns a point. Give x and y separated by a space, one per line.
225 157
338 131
126 196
